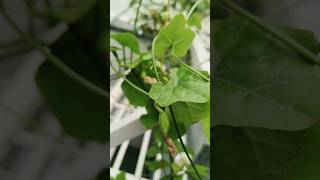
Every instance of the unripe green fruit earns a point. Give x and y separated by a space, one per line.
164 123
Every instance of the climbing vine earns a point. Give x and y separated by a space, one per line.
161 79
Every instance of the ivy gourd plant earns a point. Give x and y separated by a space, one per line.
174 94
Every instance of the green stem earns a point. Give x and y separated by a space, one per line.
158 108
115 54
154 60
191 69
124 56
135 25
273 31
193 8
133 85
129 82
136 18
53 59
182 144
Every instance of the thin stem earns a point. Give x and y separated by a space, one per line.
158 108
135 25
115 54
129 82
53 59
273 31
191 69
124 56
193 8
182 144
154 60
134 86
136 18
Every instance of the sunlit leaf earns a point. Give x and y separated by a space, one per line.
174 36
183 86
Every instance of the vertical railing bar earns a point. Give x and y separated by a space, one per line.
120 155
142 154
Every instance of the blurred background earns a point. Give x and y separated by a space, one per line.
35 144
295 13
38 140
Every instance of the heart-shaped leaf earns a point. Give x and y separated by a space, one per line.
175 36
258 81
183 86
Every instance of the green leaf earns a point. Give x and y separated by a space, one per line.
134 96
121 176
127 40
154 165
81 113
175 36
189 113
203 171
195 20
150 119
258 153
260 82
183 86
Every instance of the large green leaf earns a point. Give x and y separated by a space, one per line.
189 113
183 86
81 113
127 40
257 153
260 82
175 36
